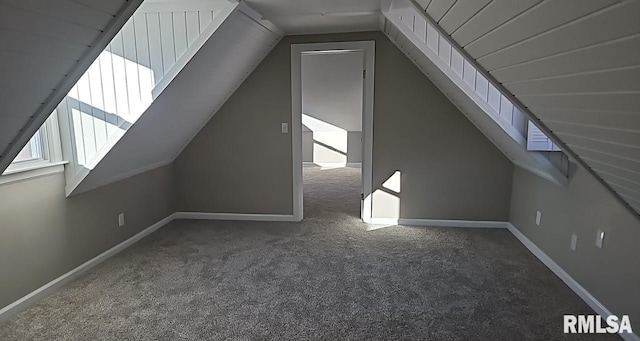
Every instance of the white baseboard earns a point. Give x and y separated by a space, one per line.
38 294
438 223
234 216
332 165
566 278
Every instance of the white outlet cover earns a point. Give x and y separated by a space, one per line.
285 128
599 239
574 242
538 218
121 219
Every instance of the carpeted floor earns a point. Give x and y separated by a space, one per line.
327 278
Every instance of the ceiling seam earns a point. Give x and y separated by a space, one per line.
552 29
564 53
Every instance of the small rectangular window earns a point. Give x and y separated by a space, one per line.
42 150
33 151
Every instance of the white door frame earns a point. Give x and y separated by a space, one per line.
368 49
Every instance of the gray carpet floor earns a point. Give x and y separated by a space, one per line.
326 278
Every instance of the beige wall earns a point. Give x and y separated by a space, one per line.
610 274
241 163
449 169
43 234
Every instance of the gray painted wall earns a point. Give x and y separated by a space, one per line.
332 88
241 163
332 93
610 274
44 235
449 169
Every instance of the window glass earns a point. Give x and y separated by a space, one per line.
32 151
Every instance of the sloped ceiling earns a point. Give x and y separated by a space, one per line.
45 46
535 162
190 100
574 64
326 16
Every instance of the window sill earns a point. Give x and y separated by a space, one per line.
32 171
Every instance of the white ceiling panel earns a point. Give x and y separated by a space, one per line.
615 54
601 101
82 14
327 16
618 21
620 80
526 21
616 136
619 182
604 147
603 119
574 64
495 14
112 6
460 13
40 24
439 8
603 167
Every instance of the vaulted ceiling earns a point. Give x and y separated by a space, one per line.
574 64
326 16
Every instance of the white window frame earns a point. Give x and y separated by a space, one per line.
368 48
51 160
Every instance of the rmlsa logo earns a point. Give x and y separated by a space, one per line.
596 324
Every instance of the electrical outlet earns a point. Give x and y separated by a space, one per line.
285 128
599 239
121 219
538 218
574 242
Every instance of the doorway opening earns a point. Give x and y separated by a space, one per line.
332 122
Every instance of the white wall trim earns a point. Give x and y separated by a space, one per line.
368 49
234 216
598 307
36 172
384 222
332 165
73 190
47 289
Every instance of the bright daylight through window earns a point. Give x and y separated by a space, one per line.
43 150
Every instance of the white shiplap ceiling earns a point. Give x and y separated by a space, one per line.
575 64
327 16
45 46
